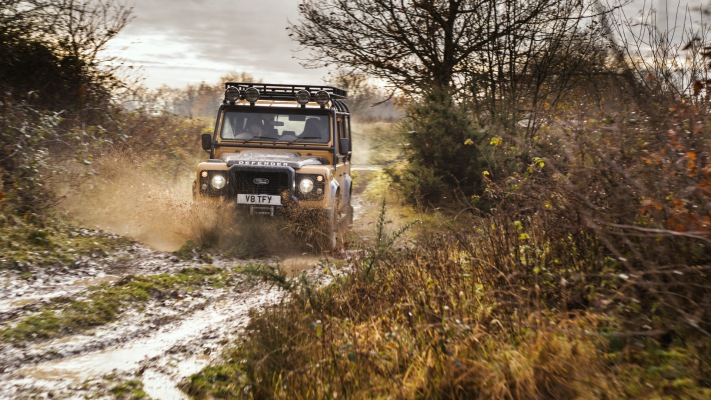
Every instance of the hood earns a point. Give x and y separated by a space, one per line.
292 159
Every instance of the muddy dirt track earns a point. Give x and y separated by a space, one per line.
159 343
168 340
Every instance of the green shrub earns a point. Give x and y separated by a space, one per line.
442 153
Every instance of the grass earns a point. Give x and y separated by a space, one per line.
474 310
190 251
106 303
223 381
130 390
37 242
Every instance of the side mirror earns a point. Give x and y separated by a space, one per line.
344 146
206 141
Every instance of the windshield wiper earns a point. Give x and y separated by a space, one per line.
301 139
291 140
248 138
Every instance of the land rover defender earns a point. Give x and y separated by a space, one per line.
282 151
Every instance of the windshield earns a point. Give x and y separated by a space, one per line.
275 127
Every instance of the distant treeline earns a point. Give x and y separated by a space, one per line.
367 103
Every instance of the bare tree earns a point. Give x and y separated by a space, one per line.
498 64
517 80
366 101
55 47
416 44
82 28
195 100
664 54
510 59
76 28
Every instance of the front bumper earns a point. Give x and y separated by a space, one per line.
278 184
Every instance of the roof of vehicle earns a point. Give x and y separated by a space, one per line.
285 93
270 91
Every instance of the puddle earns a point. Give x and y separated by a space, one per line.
60 341
49 292
367 168
9 305
295 265
171 353
161 386
127 358
56 376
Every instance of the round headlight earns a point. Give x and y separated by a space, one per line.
218 181
251 94
306 185
322 97
303 97
231 94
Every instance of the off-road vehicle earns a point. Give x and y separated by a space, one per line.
282 151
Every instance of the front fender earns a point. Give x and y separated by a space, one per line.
348 185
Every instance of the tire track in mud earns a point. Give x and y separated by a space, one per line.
159 355
173 338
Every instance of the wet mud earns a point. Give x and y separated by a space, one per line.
160 345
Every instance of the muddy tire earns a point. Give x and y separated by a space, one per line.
330 232
325 234
333 238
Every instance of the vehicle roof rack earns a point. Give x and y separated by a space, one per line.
269 91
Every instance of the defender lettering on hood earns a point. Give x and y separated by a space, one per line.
265 158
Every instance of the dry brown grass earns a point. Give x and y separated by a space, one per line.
588 278
417 325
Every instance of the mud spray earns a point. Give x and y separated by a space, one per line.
131 197
123 195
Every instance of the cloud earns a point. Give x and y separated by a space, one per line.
214 35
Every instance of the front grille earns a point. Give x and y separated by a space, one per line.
261 182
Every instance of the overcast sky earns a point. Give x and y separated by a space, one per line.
179 42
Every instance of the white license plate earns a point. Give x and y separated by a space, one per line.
265 199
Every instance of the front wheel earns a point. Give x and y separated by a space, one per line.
332 230
333 233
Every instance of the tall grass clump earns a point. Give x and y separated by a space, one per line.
496 310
